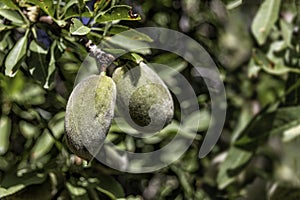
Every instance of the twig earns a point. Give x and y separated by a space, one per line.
103 59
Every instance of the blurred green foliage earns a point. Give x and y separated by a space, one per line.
256 47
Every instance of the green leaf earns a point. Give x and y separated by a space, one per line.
11 184
185 181
56 124
2 57
253 68
133 57
275 65
73 12
5 27
6 41
76 191
130 33
170 60
80 4
275 122
67 6
45 5
189 161
130 39
100 5
38 62
28 130
287 31
15 56
5 130
234 163
265 19
120 12
52 66
10 4
48 7
77 28
31 94
109 186
128 43
12 16
233 4
42 146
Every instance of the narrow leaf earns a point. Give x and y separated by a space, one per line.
12 16
275 122
121 12
37 61
287 31
5 130
10 4
130 33
51 67
15 56
100 5
265 19
234 4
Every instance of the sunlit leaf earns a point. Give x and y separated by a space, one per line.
233 4
126 43
12 16
130 33
287 31
5 27
15 56
10 4
120 12
265 19
77 28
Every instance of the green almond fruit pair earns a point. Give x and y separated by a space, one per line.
141 97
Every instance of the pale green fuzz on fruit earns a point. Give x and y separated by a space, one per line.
143 99
89 114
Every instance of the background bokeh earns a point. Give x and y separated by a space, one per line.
255 45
